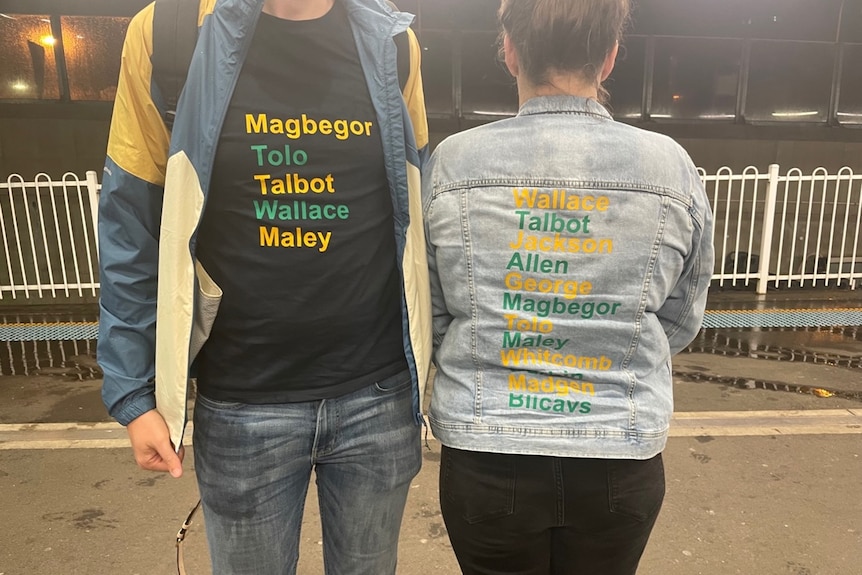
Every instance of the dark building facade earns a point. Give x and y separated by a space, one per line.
737 82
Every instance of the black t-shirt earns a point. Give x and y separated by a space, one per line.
298 225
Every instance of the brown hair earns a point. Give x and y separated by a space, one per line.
563 35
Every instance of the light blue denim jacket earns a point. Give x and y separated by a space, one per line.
570 257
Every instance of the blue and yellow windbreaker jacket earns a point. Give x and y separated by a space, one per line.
157 302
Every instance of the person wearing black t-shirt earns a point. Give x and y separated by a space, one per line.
295 125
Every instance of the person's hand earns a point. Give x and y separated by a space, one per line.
151 444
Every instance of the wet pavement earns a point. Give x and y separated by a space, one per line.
764 464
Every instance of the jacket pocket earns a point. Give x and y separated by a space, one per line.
207 302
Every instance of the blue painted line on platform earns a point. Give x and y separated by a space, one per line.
783 318
62 331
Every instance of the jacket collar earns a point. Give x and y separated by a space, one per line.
565 105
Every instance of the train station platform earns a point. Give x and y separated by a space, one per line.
763 466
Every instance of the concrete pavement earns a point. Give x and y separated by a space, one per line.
775 503
764 469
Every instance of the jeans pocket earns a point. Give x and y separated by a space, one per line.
394 383
478 486
636 487
217 405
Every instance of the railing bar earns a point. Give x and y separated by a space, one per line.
6 250
818 177
733 177
768 228
84 285
825 275
42 227
780 234
738 232
796 229
30 233
844 228
719 276
60 244
856 238
38 190
72 245
832 233
84 227
18 240
807 236
726 227
751 231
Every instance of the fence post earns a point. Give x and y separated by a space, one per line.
768 225
93 190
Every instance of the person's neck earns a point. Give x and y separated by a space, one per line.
297 9
557 85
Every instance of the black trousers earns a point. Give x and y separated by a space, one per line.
536 515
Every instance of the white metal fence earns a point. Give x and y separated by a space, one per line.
50 246
786 230
770 230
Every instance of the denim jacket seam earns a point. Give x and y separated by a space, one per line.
538 431
693 282
695 215
633 407
679 321
471 287
598 115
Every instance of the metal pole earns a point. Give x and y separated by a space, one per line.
768 224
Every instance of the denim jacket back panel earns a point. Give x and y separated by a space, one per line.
570 256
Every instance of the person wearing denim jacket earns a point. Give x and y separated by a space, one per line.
570 257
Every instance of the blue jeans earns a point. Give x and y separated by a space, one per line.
254 462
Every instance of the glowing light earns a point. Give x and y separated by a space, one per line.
717 116
660 116
48 40
795 114
19 86
676 97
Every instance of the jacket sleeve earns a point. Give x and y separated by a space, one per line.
681 315
130 207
